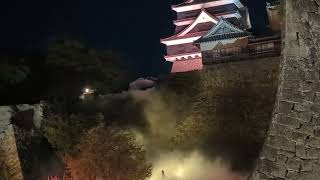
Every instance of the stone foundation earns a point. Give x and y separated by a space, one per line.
28 115
9 155
292 149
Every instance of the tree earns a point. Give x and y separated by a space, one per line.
60 74
109 153
73 66
12 74
63 131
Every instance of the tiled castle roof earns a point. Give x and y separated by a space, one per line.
220 37
192 2
223 30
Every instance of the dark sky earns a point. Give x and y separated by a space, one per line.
132 28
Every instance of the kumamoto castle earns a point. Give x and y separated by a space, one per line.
217 31
270 71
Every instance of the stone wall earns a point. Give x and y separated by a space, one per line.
233 101
292 149
9 153
239 97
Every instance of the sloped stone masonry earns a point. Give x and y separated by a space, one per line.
292 149
9 153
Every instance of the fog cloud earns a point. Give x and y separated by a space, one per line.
171 162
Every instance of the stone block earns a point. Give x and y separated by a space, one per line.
292 175
288 154
317 132
309 96
291 95
285 107
313 153
313 142
314 19
302 107
315 86
281 159
305 86
282 130
293 164
307 165
317 97
281 142
269 153
306 129
287 121
299 138
301 62
295 51
270 168
265 166
315 108
278 171
308 176
310 6
315 165
301 151
302 116
262 176
290 84
315 121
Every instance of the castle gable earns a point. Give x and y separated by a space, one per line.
223 31
223 27
202 18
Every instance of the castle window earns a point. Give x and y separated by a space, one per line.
207 55
216 53
270 45
230 51
258 48
266 47
237 50
224 52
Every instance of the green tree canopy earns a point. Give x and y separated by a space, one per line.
12 73
73 67
110 153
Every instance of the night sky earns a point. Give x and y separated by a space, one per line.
131 28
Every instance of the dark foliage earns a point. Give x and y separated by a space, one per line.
60 74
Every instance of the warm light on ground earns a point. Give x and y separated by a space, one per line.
180 172
193 165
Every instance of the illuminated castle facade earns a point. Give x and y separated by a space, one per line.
213 31
194 19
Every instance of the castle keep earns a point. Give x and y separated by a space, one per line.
211 31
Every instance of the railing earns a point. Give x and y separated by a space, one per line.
243 54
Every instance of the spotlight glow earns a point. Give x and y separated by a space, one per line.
180 172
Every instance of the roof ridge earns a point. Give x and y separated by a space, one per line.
192 25
218 37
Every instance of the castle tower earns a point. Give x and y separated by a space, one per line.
194 19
